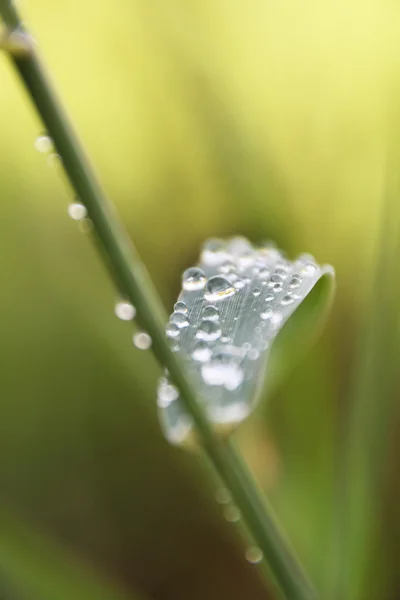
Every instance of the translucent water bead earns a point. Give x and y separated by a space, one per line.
43 143
125 311
231 307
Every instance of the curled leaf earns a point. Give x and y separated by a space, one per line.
232 307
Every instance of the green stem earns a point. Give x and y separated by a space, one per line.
134 281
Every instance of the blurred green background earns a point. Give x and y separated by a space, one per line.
203 118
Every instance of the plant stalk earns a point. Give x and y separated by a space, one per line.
135 283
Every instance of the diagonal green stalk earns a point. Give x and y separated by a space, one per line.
134 281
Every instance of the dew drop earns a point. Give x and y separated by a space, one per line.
254 555
227 267
275 280
180 307
166 393
180 319
282 272
288 299
202 352
77 211
142 340
43 143
256 292
223 496
214 252
263 273
269 297
208 330
217 288
54 160
125 311
295 281
266 314
211 313
232 514
172 330
193 279
239 284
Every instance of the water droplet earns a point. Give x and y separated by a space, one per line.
256 292
253 354
211 313
125 311
202 352
288 299
223 496
54 160
254 555
180 319
246 259
295 281
282 272
43 143
180 307
167 393
85 226
142 340
172 330
308 265
214 252
263 273
269 297
266 314
217 288
239 284
77 211
223 371
232 514
239 245
193 279
225 339
274 280
208 330
276 320
227 267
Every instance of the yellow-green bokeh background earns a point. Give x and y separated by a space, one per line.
203 118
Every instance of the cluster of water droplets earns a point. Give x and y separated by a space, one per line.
231 307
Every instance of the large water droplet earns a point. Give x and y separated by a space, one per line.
208 331
180 307
125 311
167 393
202 352
172 330
43 143
193 279
142 340
211 313
254 555
217 288
179 319
77 211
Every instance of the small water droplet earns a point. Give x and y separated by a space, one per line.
295 281
308 265
77 211
214 252
266 314
256 292
239 284
43 143
254 555
274 280
223 371
172 330
263 273
282 272
287 299
211 313
142 340
54 160
223 496
180 319
125 311
227 267
167 393
208 330
85 226
225 339
180 307
202 352
193 279
232 514
269 297
217 288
